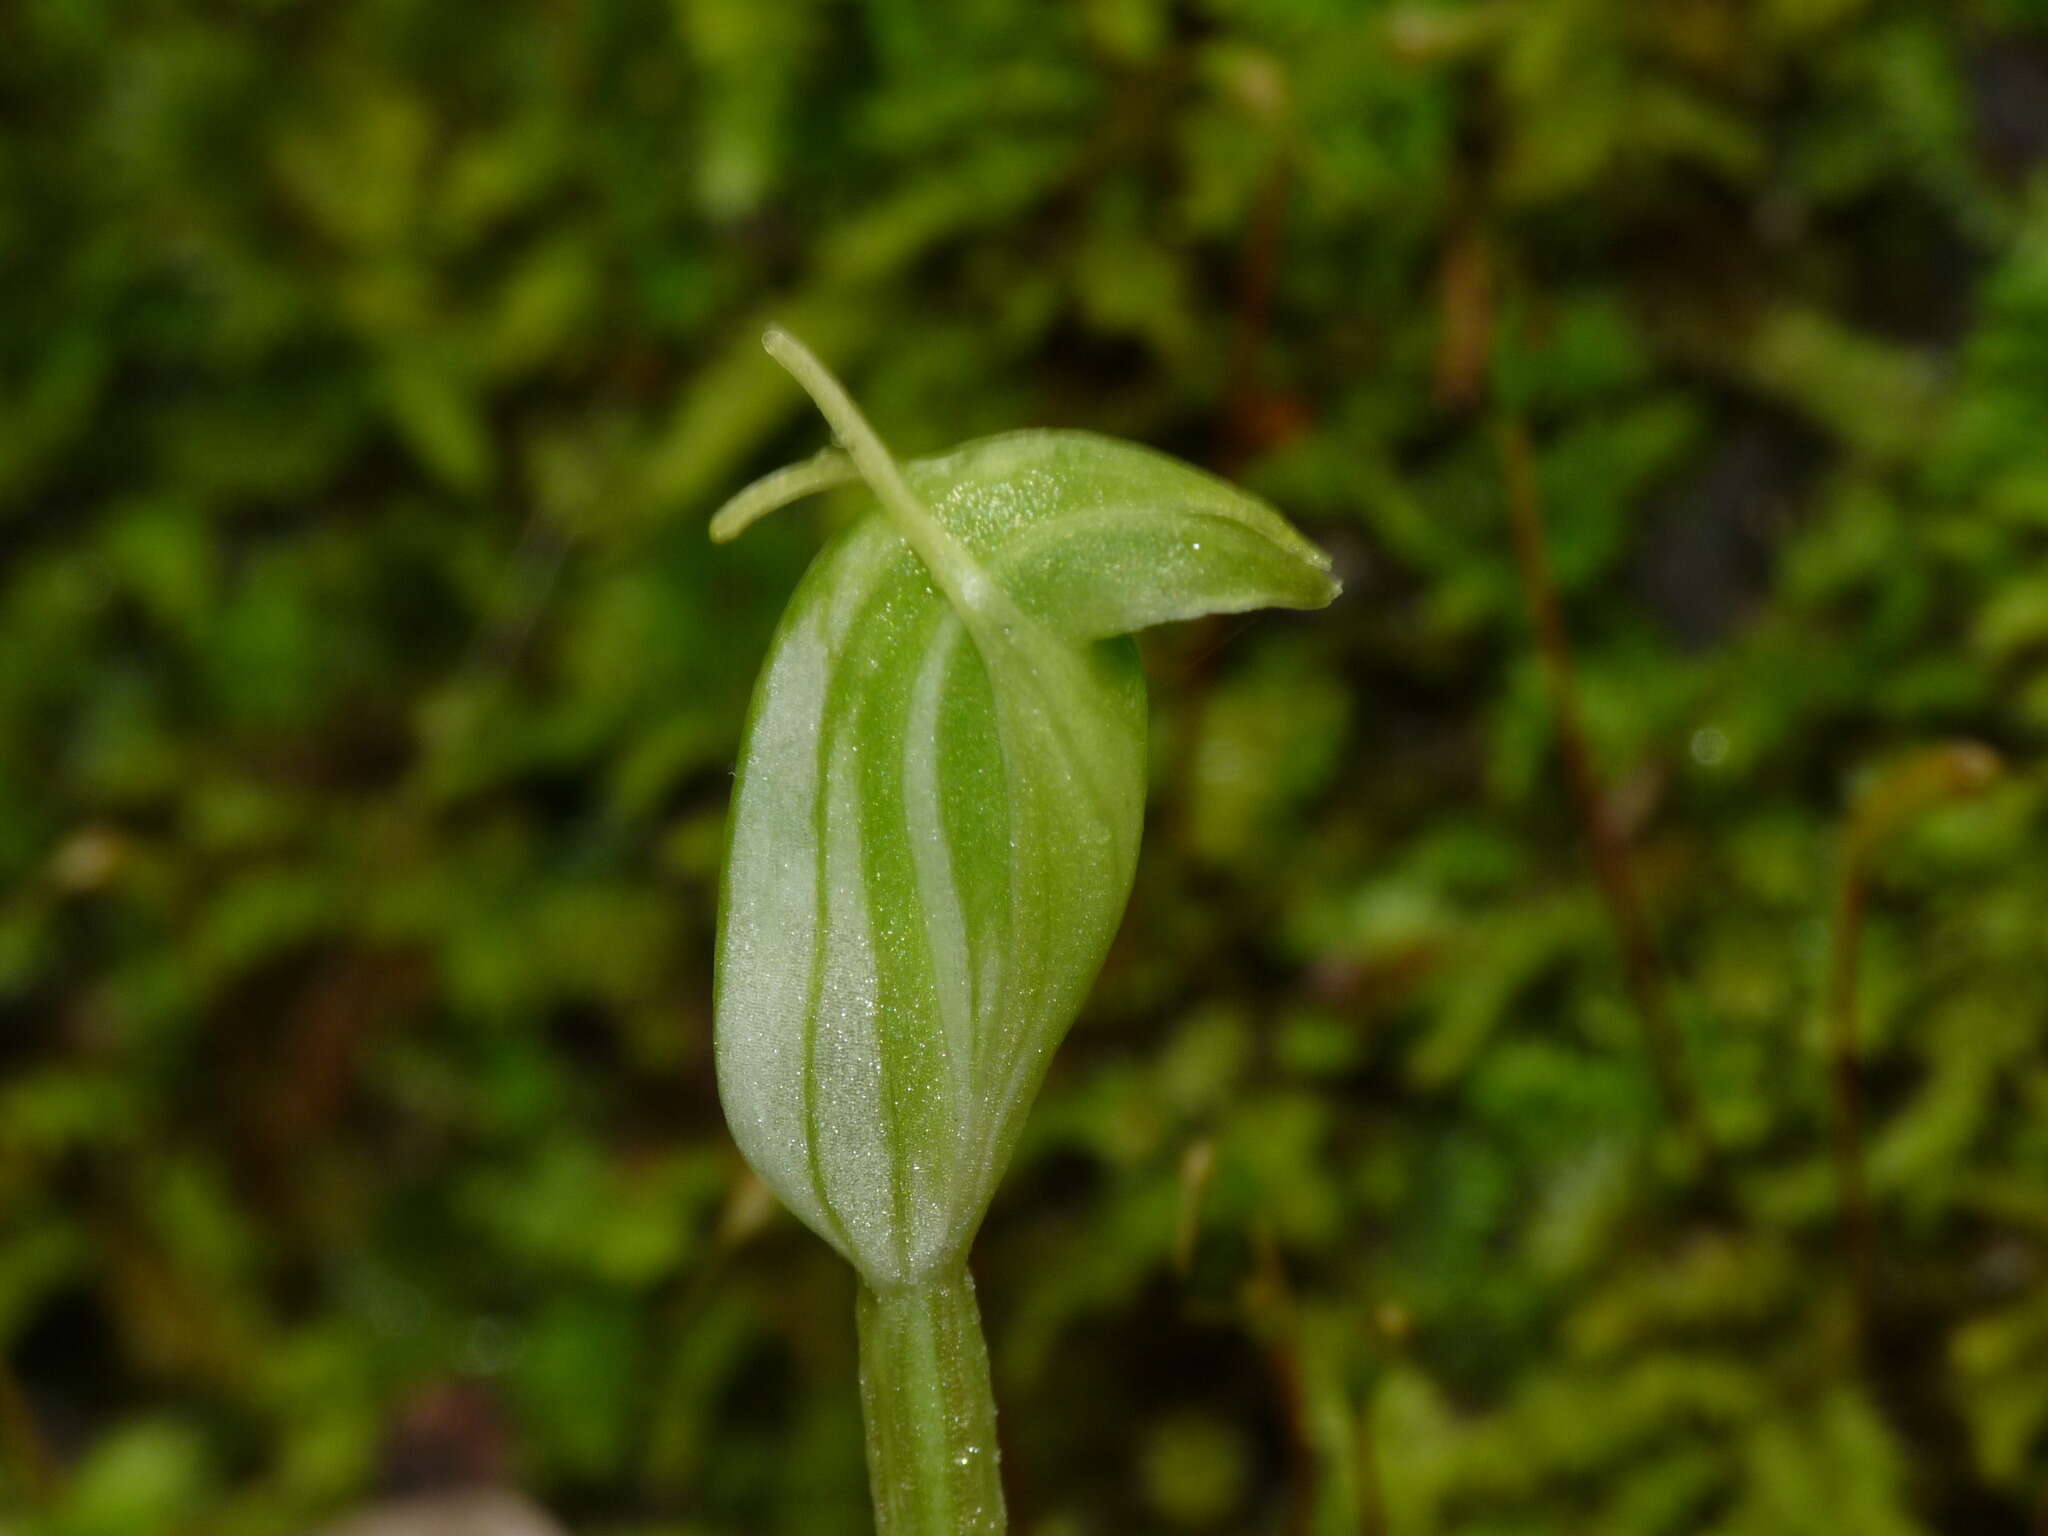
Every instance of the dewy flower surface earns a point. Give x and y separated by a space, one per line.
938 807
932 838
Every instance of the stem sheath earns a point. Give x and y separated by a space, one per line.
931 1415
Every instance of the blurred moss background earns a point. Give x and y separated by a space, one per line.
368 695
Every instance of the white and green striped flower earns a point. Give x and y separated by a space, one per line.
938 809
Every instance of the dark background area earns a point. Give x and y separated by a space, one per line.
1466 1135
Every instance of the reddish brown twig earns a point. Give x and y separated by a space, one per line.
1372 1496
1256 418
1245 407
22 1446
1465 286
1605 847
1268 1306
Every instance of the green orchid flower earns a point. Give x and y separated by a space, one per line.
933 835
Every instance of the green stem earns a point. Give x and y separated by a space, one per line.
931 1416
955 572
822 471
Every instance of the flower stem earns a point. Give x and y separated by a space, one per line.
952 568
1606 846
931 1416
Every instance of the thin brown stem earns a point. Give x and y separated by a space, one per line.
1465 287
1372 1497
1606 848
23 1448
1845 1077
1268 1303
1245 410
1197 1168
1255 418
1332 1481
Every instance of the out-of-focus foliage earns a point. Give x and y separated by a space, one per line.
368 694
